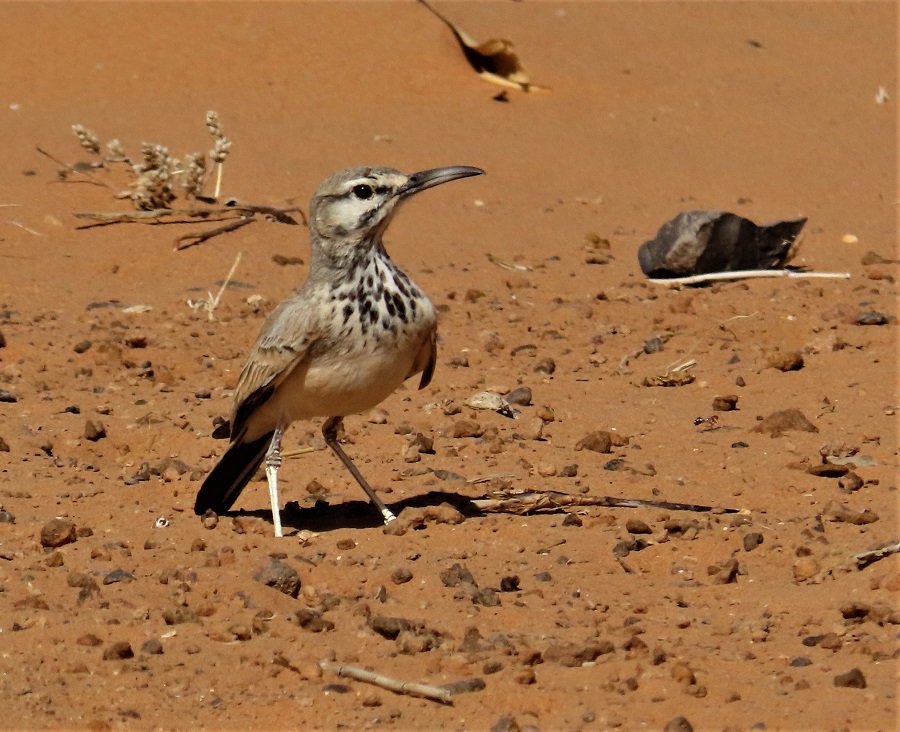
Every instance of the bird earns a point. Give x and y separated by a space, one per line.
356 329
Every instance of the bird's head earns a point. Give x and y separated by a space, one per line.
351 209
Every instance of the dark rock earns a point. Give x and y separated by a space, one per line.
57 532
465 428
89 640
465 686
725 573
457 575
543 577
6 517
82 346
509 584
725 403
653 345
800 662
179 615
700 242
389 627
401 575
506 724
871 317
279 575
487 597
850 482
8 397
312 620
4 445
285 261
118 651
678 724
118 575
545 366
599 441
786 420
94 430
853 679
152 647
2 340
572 519
491 667
520 397
752 540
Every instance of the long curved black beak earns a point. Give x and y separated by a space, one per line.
434 177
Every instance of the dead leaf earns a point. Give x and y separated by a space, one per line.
494 60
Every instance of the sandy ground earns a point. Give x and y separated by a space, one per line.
592 618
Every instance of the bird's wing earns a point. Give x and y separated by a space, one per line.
283 343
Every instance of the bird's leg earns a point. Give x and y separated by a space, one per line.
273 462
329 431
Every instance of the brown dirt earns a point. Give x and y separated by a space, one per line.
767 110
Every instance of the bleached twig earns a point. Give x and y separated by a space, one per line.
747 274
211 305
531 501
864 559
425 691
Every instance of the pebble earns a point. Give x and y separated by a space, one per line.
118 651
279 575
786 420
88 639
8 397
57 532
6 517
725 403
678 724
752 540
572 519
94 430
850 482
312 620
637 526
465 428
837 512
389 627
82 346
800 662
2 340
871 317
852 679
118 575
520 397
545 366
509 583
533 429
599 441
457 575
401 575
785 360
152 647
508 724
806 568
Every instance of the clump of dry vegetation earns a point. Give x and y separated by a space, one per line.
164 189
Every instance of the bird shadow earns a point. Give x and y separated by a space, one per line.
324 516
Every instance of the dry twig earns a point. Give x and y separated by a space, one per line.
864 559
533 501
385 682
747 274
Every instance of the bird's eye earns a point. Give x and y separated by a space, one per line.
363 190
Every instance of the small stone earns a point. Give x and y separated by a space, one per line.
6 517
279 575
465 428
806 568
312 620
533 429
389 627
871 317
835 511
94 431
57 532
739 381
777 423
726 403
599 441
8 397
486 597
88 639
752 540
850 482
179 615
678 724
636 526
726 572
152 647
520 397
545 366
118 651
545 413
210 520
491 667
526 677
853 679
82 346
401 575
346 544
508 724
509 583
465 686
572 519
2 340
785 360
568 471
118 575
800 662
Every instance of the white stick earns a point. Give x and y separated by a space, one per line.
747 274
215 302
385 682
